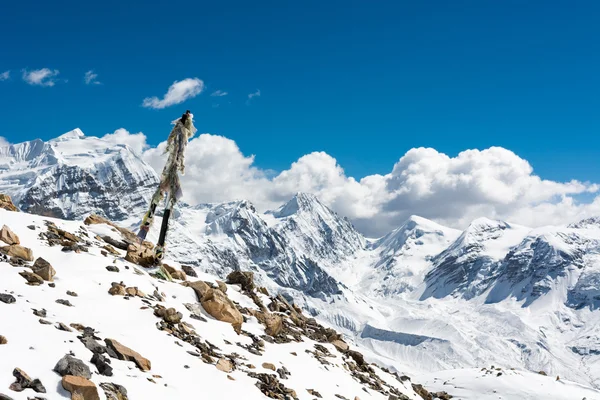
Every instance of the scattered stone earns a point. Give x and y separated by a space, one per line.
80 388
8 236
314 393
283 372
52 284
32 278
134 291
92 345
442 396
169 315
245 279
69 365
44 322
17 251
39 313
43 268
6 203
269 366
3 340
32 227
340 345
125 353
543 373
25 382
7 298
224 365
231 378
189 271
63 327
70 293
102 364
111 250
114 391
77 327
64 302
112 268
220 307
270 386
117 289
421 391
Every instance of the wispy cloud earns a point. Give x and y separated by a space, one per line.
91 78
178 92
4 76
219 93
40 77
253 95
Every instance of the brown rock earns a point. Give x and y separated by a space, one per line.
117 289
200 287
245 279
142 256
6 203
80 388
274 324
421 391
3 340
43 268
32 278
220 307
175 273
111 250
129 236
340 345
269 366
8 236
224 365
17 251
125 353
222 286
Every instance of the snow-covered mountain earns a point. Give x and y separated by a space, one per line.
423 298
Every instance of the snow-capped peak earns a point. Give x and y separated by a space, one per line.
74 134
299 203
592 222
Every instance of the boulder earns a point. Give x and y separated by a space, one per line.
224 365
142 256
200 287
80 388
3 340
222 286
269 366
274 324
102 364
7 298
8 236
125 353
114 391
6 203
43 268
25 382
69 365
17 251
117 289
220 307
340 345
189 271
31 278
175 273
245 279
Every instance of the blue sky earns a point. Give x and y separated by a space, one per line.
364 81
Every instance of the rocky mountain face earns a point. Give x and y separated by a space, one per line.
423 280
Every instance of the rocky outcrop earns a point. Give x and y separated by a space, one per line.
17 251
6 203
114 391
44 269
216 303
244 279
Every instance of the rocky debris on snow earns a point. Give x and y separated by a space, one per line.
134 291
269 366
5 397
31 278
17 251
140 255
217 304
72 293
80 388
64 302
170 315
112 268
44 322
189 271
3 340
69 365
127 235
44 269
314 393
121 245
244 279
270 386
175 273
6 203
273 323
39 313
117 289
102 364
114 391
224 365
25 382
7 298
340 345
125 353
109 249
283 372
62 327
59 237
8 236
196 312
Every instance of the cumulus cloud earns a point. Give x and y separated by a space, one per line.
91 78
495 183
40 77
219 93
137 141
4 142
4 76
177 93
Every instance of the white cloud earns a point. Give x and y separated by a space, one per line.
219 93
494 183
4 76
137 141
91 78
3 142
253 95
40 77
178 92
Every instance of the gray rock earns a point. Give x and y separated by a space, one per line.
102 364
114 391
7 298
69 365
